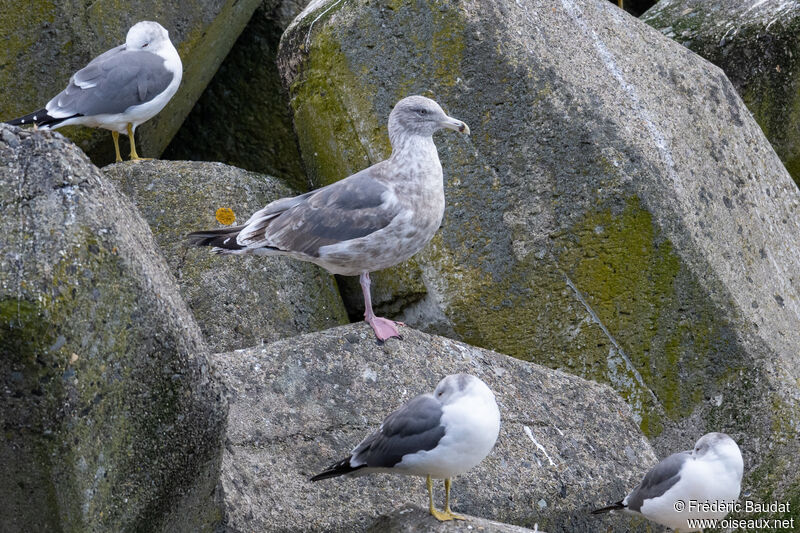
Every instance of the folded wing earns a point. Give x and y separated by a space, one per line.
112 83
658 480
349 209
413 428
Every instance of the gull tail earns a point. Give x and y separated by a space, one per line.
223 240
613 507
339 469
40 118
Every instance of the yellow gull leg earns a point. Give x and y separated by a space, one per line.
115 136
134 155
447 510
438 515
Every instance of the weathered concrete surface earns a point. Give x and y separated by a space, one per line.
237 301
616 212
299 404
45 42
411 519
243 117
755 43
111 416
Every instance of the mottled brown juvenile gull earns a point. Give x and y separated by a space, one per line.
439 435
371 220
689 490
119 89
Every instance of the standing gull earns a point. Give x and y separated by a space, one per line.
437 435
369 221
119 89
698 484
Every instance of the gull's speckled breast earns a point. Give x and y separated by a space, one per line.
413 176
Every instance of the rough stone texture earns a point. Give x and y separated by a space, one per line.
110 414
237 301
299 404
411 519
616 212
755 43
45 42
243 117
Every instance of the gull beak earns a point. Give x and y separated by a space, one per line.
455 125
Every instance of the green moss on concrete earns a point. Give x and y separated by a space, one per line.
79 351
438 42
17 37
22 332
337 127
94 319
626 278
332 114
636 286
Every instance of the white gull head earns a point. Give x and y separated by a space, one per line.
720 447
147 36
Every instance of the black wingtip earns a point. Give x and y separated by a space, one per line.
40 118
222 238
613 507
339 469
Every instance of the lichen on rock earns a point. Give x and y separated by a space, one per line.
112 412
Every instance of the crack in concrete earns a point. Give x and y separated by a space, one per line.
610 337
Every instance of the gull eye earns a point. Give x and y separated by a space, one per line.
422 111
439 393
145 45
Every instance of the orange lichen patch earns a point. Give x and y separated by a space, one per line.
225 216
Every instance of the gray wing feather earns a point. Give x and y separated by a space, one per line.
413 428
272 209
111 83
658 480
94 69
345 210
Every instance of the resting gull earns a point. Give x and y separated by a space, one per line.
119 89
437 435
698 484
369 221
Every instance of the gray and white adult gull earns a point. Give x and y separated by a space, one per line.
437 435
369 221
119 89
698 484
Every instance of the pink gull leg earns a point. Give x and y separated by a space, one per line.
383 327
